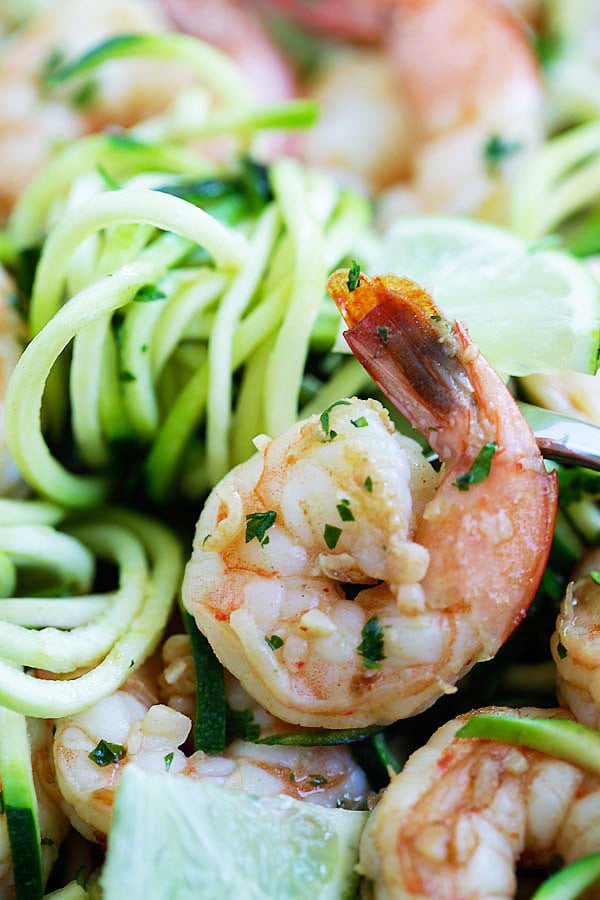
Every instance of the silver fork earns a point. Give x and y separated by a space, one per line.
563 439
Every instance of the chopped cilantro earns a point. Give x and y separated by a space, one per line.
85 94
53 62
292 776
106 753
435 318
205 538
371 646
595 576
148 293
345 513
353 276
324 419
274 642
168 760
317 780
480 469
369 484
361 422
383 333
257 525
561 650
127 377
332 534
496 150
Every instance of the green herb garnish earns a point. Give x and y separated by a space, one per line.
106 753
324 419
257 525
148 293
480 469
383 333
85 94
496 151
274 642
361 422
332 534
317 780
353 276
371 646
369 484
595 576
168 760
345 513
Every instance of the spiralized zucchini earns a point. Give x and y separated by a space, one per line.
63 628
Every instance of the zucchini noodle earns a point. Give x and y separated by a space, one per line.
113 633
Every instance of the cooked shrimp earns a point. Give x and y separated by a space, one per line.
53 823
231 27
467 104
150 735
123 92
576 643
460 816
12 333
341 500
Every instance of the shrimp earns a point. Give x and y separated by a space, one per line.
12 333
228 25
54 825
576 643
454 823
465 106
442 569
150 735
123 92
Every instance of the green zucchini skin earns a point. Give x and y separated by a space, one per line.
210 730
20 806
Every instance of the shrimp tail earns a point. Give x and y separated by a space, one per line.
411 352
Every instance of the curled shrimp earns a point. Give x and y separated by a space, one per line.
443 568
465 111
52 821
150 735
576 643
33 119
12 333
455 822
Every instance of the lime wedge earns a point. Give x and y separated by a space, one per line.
174 837
529 310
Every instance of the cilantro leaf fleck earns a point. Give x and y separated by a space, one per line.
353 276
317 780
345 513
497 150
168 760
361 422
369 484
105 753
371 646
257 525
595 576
332 534
383 333
480 469
324 419
274 642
